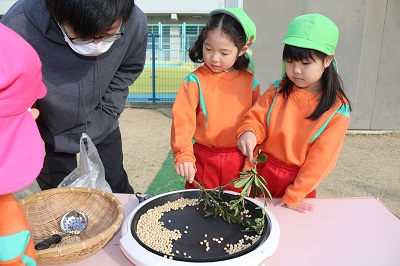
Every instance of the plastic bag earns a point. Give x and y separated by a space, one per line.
90 171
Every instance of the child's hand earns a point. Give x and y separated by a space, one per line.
302 207
34 112
187 170
246 143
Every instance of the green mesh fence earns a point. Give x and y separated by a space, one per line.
167 62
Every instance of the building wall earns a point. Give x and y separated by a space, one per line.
166 19
367 53
180 11
179 6
5 5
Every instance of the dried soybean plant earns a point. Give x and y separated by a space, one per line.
234 211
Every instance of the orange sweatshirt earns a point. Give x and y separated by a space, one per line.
16 243
209 108
283 131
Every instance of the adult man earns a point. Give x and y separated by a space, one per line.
91 51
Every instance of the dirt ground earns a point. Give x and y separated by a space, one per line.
368 165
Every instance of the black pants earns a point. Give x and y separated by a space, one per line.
57 165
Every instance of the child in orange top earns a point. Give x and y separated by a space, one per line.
21 147
301 121
213 99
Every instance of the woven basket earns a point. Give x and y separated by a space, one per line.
45 209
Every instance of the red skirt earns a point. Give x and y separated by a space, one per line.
279 176
217 166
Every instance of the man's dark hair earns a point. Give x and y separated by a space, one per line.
89 17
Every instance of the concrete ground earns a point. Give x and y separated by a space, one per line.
368 166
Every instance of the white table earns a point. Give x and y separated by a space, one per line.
341 231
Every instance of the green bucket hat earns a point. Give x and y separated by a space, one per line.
247 24
241 16
313 31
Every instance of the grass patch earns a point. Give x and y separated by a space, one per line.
166 179
169 76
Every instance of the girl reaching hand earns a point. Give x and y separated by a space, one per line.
212 100
300 122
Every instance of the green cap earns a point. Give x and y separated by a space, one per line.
247 24
313 31
241 16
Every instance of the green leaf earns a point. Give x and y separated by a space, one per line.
232 211
262 158
262 179
245 172
269 194
262 185
242 182
257 182
208 214
247 188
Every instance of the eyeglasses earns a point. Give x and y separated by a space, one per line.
103 38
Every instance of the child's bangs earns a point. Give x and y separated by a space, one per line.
296 53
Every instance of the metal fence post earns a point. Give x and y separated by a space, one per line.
153 65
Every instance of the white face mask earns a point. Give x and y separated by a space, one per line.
89 49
